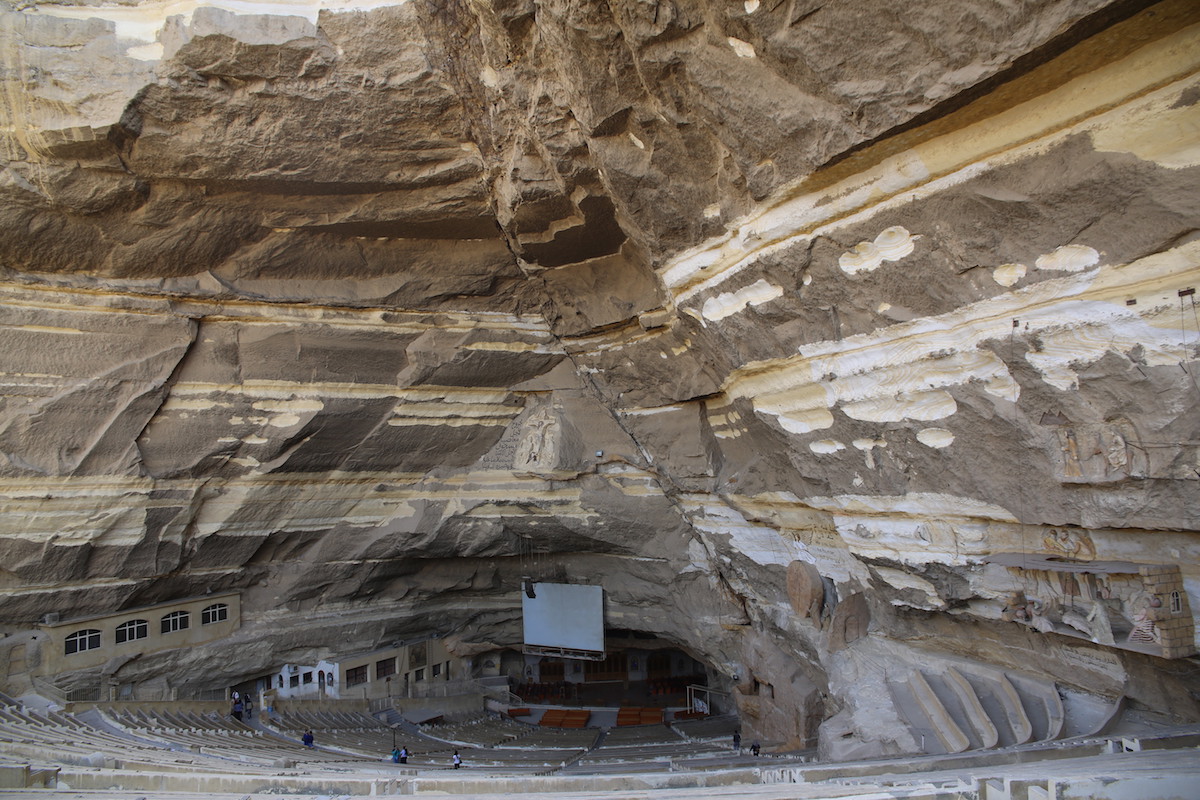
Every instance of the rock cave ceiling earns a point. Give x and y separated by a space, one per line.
354 308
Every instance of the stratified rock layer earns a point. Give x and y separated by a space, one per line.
780 321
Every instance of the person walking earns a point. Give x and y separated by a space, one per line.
307 738
403 755
737 742
457 760
395 755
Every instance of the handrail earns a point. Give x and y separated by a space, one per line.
49 691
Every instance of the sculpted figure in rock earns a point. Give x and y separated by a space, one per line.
1072 544
539 442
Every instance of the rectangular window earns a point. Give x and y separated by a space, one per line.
437 670
294 681
308 677
419 675
356 676
385 668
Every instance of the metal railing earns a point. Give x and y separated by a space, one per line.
86 693
494 691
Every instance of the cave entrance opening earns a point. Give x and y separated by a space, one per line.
638 669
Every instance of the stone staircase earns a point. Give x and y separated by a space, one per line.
967 706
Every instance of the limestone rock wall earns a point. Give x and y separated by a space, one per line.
778 319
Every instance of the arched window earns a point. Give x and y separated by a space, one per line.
1176 603
131 630
217 612
175 621
79 641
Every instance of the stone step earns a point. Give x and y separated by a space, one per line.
948 732
909 710
954 709
1043 706
976 716
1003 706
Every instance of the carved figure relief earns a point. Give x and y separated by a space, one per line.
1132 606
1069 543
1100 453
539 441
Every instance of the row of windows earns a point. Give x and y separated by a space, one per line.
435 671
136 629
295 680
356 676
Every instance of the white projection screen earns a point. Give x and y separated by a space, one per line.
564 619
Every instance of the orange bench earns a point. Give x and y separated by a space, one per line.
565 718
553 718
576 719
639 716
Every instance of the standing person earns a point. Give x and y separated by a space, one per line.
403 755
249 708
395 755
237 709
307 738
737 741
457 760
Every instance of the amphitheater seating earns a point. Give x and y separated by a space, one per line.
485 732
358 733
641 735
324 720
559 739
212 732
185 751
480 743
720 727
33 735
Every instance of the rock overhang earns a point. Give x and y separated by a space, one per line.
692 286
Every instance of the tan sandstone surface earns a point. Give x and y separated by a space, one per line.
783 321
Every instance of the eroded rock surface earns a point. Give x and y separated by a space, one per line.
780 320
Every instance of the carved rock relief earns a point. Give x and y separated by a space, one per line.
1100 453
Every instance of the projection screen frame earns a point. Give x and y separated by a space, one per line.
561 637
